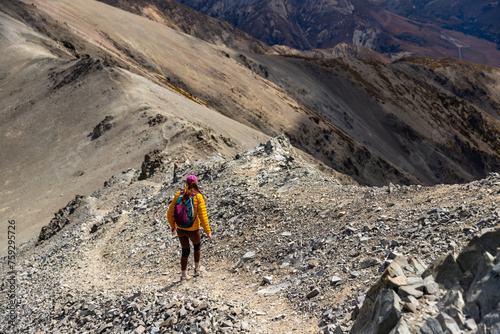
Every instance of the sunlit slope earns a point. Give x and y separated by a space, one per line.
51 102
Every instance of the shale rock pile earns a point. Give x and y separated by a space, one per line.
294 251
455 294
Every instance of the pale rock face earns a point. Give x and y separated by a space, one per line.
367 38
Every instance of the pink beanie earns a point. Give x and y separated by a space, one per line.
191 178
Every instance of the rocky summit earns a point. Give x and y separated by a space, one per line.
294 250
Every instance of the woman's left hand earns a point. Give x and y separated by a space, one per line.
174 230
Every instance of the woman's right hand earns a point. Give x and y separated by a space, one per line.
209 235
174 230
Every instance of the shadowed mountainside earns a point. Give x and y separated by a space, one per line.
392 132
430 117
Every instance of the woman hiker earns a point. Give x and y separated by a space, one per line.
188 228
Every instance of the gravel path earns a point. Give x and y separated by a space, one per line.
293 249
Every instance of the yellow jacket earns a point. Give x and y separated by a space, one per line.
201 213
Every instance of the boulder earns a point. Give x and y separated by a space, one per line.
61 219
400 328
448 323
490 323
366 321
387 312
417 264
407 290
430 286
313 293
366 263
488 242
445 270
411 304
484 292
431 326
335 280
153 162
398 281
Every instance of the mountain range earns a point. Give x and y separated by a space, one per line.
89 89
462 29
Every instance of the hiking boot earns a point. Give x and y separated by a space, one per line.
185 278
197 272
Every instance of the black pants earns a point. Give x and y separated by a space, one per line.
184 237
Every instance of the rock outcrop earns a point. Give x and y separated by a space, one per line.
103 126
61 219
455 294
152 163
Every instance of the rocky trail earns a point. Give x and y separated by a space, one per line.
88 89
294 251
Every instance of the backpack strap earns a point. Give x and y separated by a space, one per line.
195 213
192 199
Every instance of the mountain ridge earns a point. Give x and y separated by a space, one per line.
303 227
184 19
376 122
323 24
